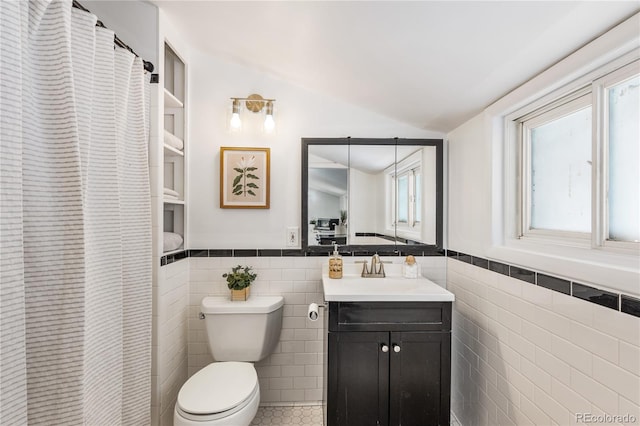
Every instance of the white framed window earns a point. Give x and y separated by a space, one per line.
579 165
618 94
406 191
409 205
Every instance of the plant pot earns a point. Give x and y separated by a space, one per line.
240 295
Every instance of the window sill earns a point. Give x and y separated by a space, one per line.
603 269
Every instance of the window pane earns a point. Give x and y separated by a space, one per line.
403 199
418 207
561 173
624 161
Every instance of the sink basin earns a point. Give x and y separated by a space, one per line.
353 288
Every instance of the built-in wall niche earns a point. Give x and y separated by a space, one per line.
174 89
173 218
174 175
174 73
175 147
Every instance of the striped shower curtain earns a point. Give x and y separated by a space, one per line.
75 222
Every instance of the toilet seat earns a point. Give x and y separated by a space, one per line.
217 391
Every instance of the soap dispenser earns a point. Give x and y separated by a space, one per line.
410 267
335 263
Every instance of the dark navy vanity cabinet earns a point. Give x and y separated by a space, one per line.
389 363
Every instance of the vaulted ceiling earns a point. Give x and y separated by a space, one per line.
431 64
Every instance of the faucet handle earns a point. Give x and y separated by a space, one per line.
382 270
365 269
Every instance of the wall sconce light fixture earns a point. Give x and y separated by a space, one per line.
254 103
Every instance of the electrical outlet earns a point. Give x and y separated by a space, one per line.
292 236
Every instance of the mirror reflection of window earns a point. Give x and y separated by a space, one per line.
403 199
407 195
417 206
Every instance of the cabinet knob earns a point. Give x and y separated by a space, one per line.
396 348
385 348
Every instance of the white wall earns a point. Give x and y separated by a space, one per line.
299 113
135 23
429 190
469 192
171 299
322 204
364 201
525 355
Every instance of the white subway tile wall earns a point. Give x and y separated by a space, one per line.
293 373
524 355
169 359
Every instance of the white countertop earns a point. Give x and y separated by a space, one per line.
393 288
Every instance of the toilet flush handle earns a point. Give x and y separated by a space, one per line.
201 315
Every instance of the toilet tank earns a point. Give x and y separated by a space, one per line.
242 331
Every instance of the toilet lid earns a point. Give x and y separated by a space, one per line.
218 387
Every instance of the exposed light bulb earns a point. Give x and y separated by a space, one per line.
269 122
235 123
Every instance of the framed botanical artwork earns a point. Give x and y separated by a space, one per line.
244 178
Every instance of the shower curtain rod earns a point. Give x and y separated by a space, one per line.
148 66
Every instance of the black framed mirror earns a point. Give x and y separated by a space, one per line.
372 196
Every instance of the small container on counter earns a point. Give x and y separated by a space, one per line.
335 264
410 268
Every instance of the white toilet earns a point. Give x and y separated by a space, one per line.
226 392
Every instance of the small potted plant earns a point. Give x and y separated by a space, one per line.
239 280
342 228
343 217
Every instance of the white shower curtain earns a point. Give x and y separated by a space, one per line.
75 222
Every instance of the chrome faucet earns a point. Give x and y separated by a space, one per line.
376 270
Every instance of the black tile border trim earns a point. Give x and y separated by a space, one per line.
597 296
498 267
554 283
630 305
522 274
617 301
356 251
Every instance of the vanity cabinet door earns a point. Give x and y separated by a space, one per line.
358 382
420 382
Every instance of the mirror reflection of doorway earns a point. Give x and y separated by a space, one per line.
328 202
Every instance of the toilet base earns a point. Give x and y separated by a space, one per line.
241 417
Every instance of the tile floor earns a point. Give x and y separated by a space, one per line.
297 415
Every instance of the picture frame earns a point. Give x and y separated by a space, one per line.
244 178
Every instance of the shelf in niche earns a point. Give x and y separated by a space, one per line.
170 101
172 201
178 250
172 152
